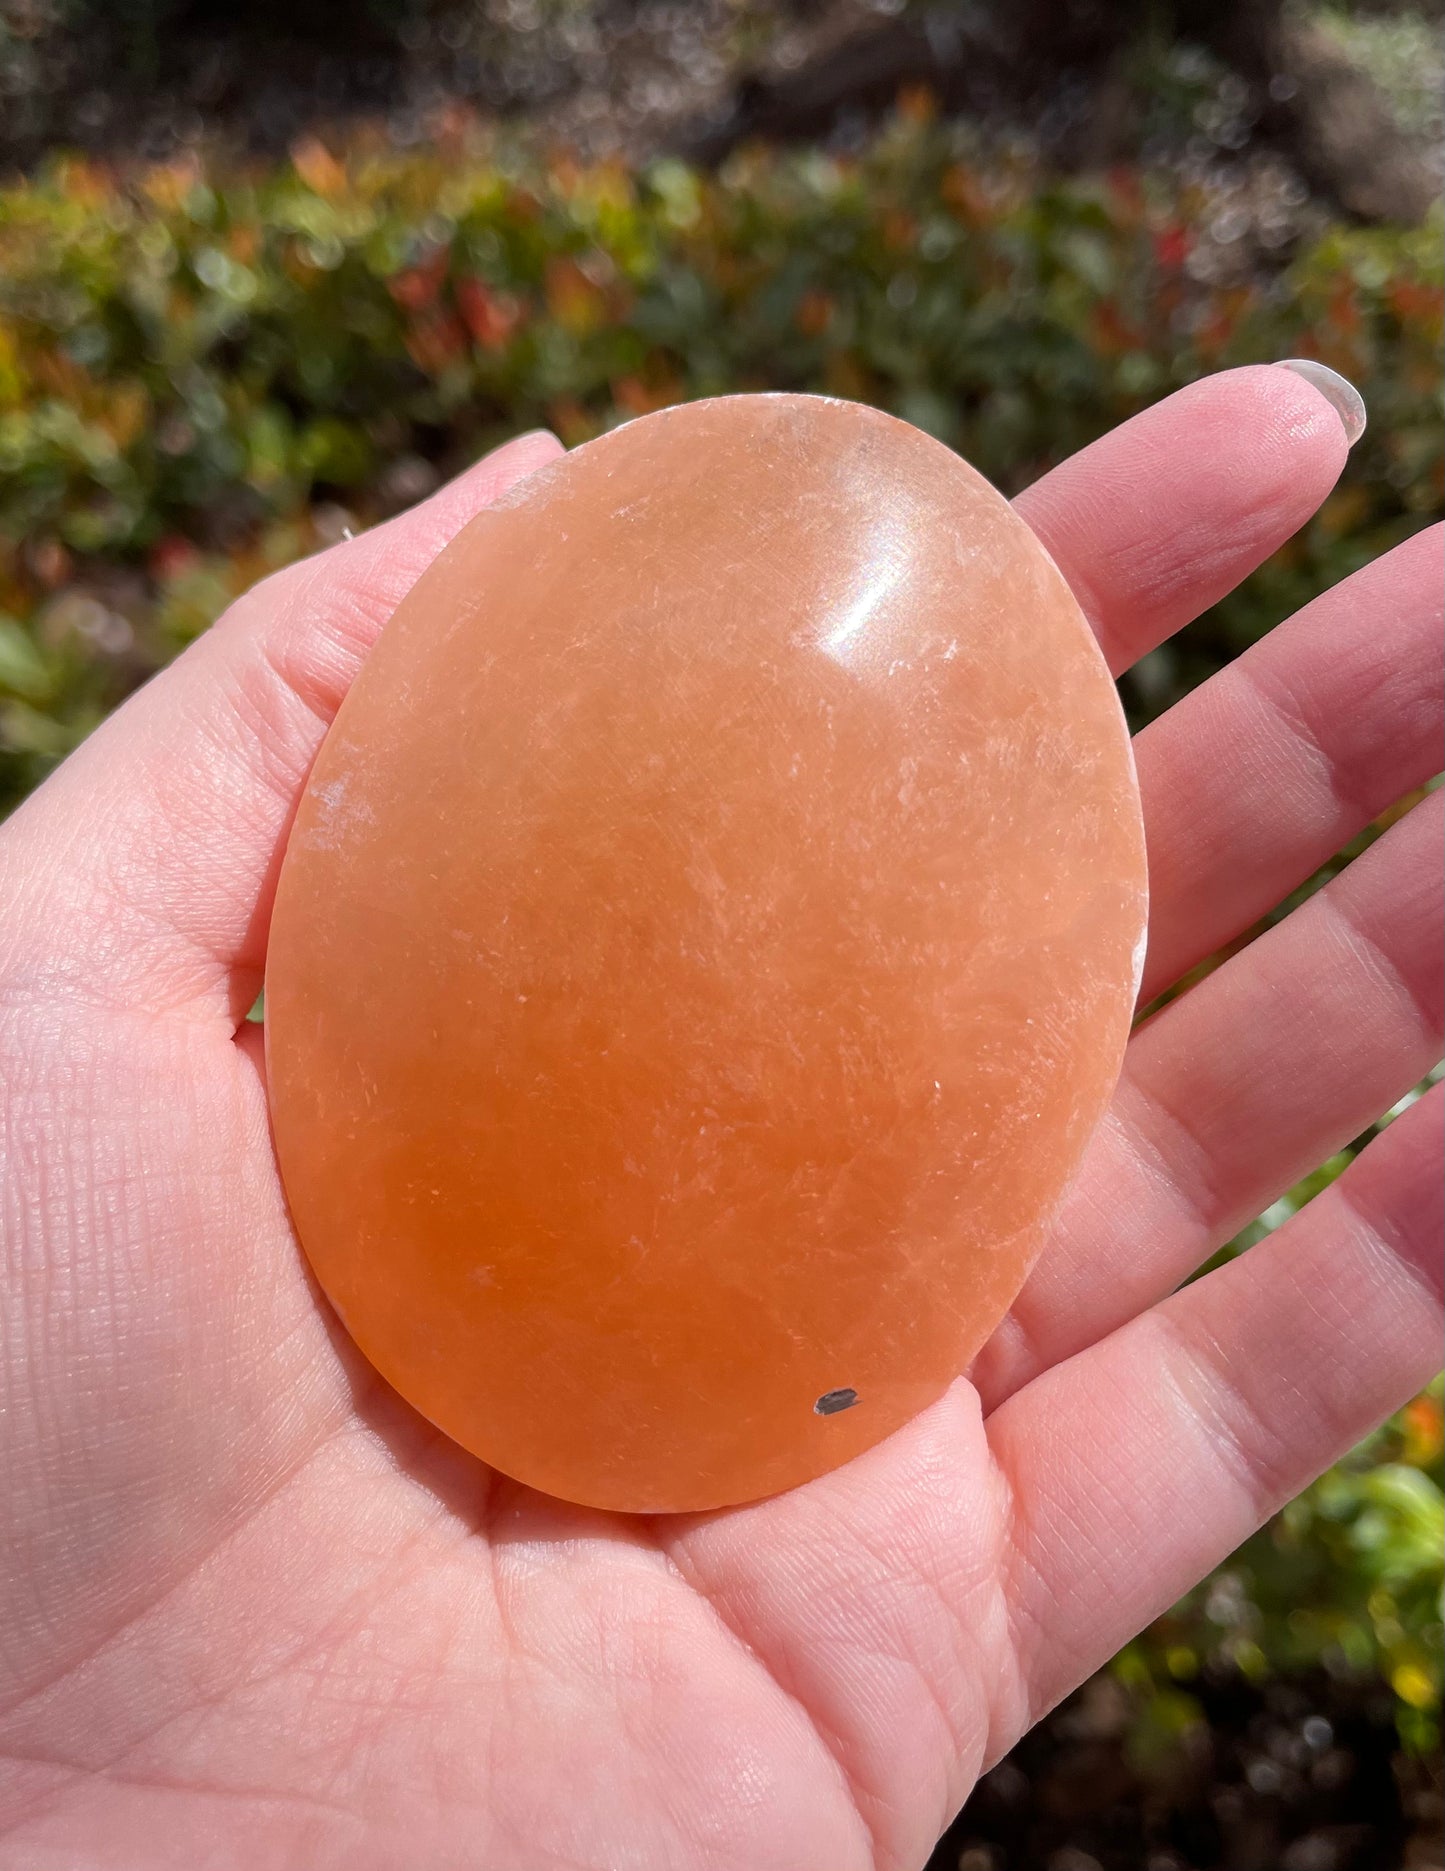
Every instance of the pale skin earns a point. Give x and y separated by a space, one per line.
255 1613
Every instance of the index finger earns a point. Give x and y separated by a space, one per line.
1166 514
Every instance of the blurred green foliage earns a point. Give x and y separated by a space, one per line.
205 373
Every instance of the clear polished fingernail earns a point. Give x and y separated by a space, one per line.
1349 405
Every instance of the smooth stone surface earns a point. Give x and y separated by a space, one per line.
707 941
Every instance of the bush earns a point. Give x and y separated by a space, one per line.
202 373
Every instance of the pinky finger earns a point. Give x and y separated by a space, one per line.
1138 1465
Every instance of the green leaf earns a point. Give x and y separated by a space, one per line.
23 670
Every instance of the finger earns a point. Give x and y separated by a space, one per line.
1257 778
1138 1466
1238 1089
1158 520
147 860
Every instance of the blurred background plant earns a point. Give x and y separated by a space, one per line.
248 304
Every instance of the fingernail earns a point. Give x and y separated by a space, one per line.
1348 404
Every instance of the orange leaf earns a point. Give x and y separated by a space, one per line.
317 167
814 313
491 317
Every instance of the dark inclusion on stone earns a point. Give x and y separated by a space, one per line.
832 1401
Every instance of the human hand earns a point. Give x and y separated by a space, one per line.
255 1613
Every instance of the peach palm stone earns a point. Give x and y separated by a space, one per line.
706 943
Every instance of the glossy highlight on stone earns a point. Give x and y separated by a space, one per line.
706 943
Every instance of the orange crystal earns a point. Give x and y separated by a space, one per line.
706 943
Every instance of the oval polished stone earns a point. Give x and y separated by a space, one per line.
706 943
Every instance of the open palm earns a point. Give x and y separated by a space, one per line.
255 1613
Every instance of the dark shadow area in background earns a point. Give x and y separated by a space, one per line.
150 76
1290 1775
